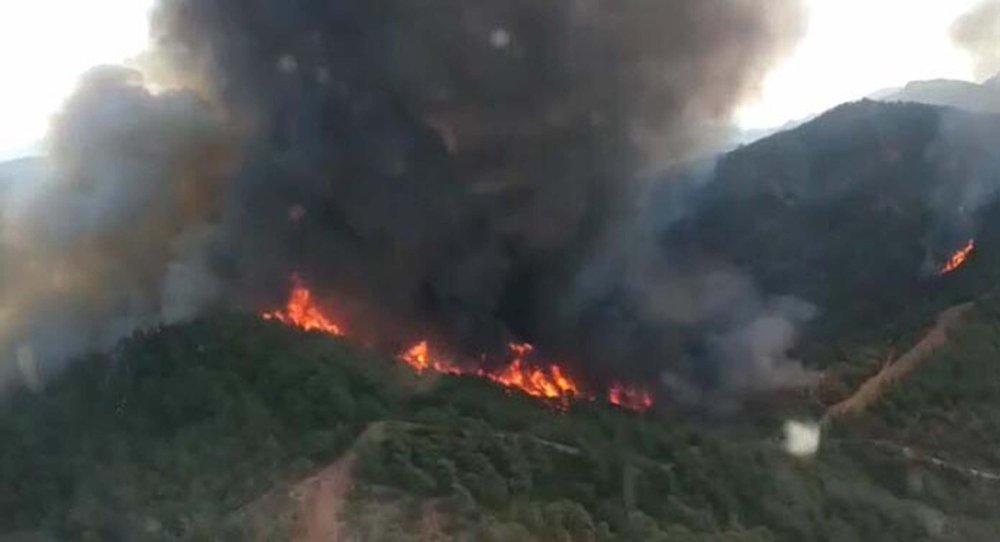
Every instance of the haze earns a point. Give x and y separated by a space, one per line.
851 48
45 45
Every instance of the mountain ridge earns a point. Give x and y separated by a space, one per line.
976 97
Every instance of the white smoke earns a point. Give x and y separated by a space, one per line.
978 32
801 438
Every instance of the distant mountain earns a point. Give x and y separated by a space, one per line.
21 168
981 98
14 152
975 97
746 137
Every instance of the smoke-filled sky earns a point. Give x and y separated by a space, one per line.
851 48
45 45
446 169
468 170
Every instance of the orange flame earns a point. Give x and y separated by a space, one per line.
958 258
419 357
630 398
546 381
301 312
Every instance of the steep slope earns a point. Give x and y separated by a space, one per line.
201 430
855 212
879 384
184 432
177 428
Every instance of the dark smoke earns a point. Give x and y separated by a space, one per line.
93 239
695 322
452 168
456 164
978 32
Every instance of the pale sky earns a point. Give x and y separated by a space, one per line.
45 45
852 48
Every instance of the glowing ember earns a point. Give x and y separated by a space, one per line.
544 380
301 312
958 258
630 398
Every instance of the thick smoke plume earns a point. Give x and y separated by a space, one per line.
978 32
696 322
92 239
451 168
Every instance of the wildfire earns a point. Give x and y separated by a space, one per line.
301 312
544 380
958 258
548 382
419 357
630 398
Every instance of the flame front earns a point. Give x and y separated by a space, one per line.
544 380
630 398
548 382
958 258
301 312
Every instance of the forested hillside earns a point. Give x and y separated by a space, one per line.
210 429
181 429
855 212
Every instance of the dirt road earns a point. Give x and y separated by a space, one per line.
310 510
321 497
872 389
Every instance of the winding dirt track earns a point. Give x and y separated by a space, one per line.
876 386
872 389
321 497
318 500
310 510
